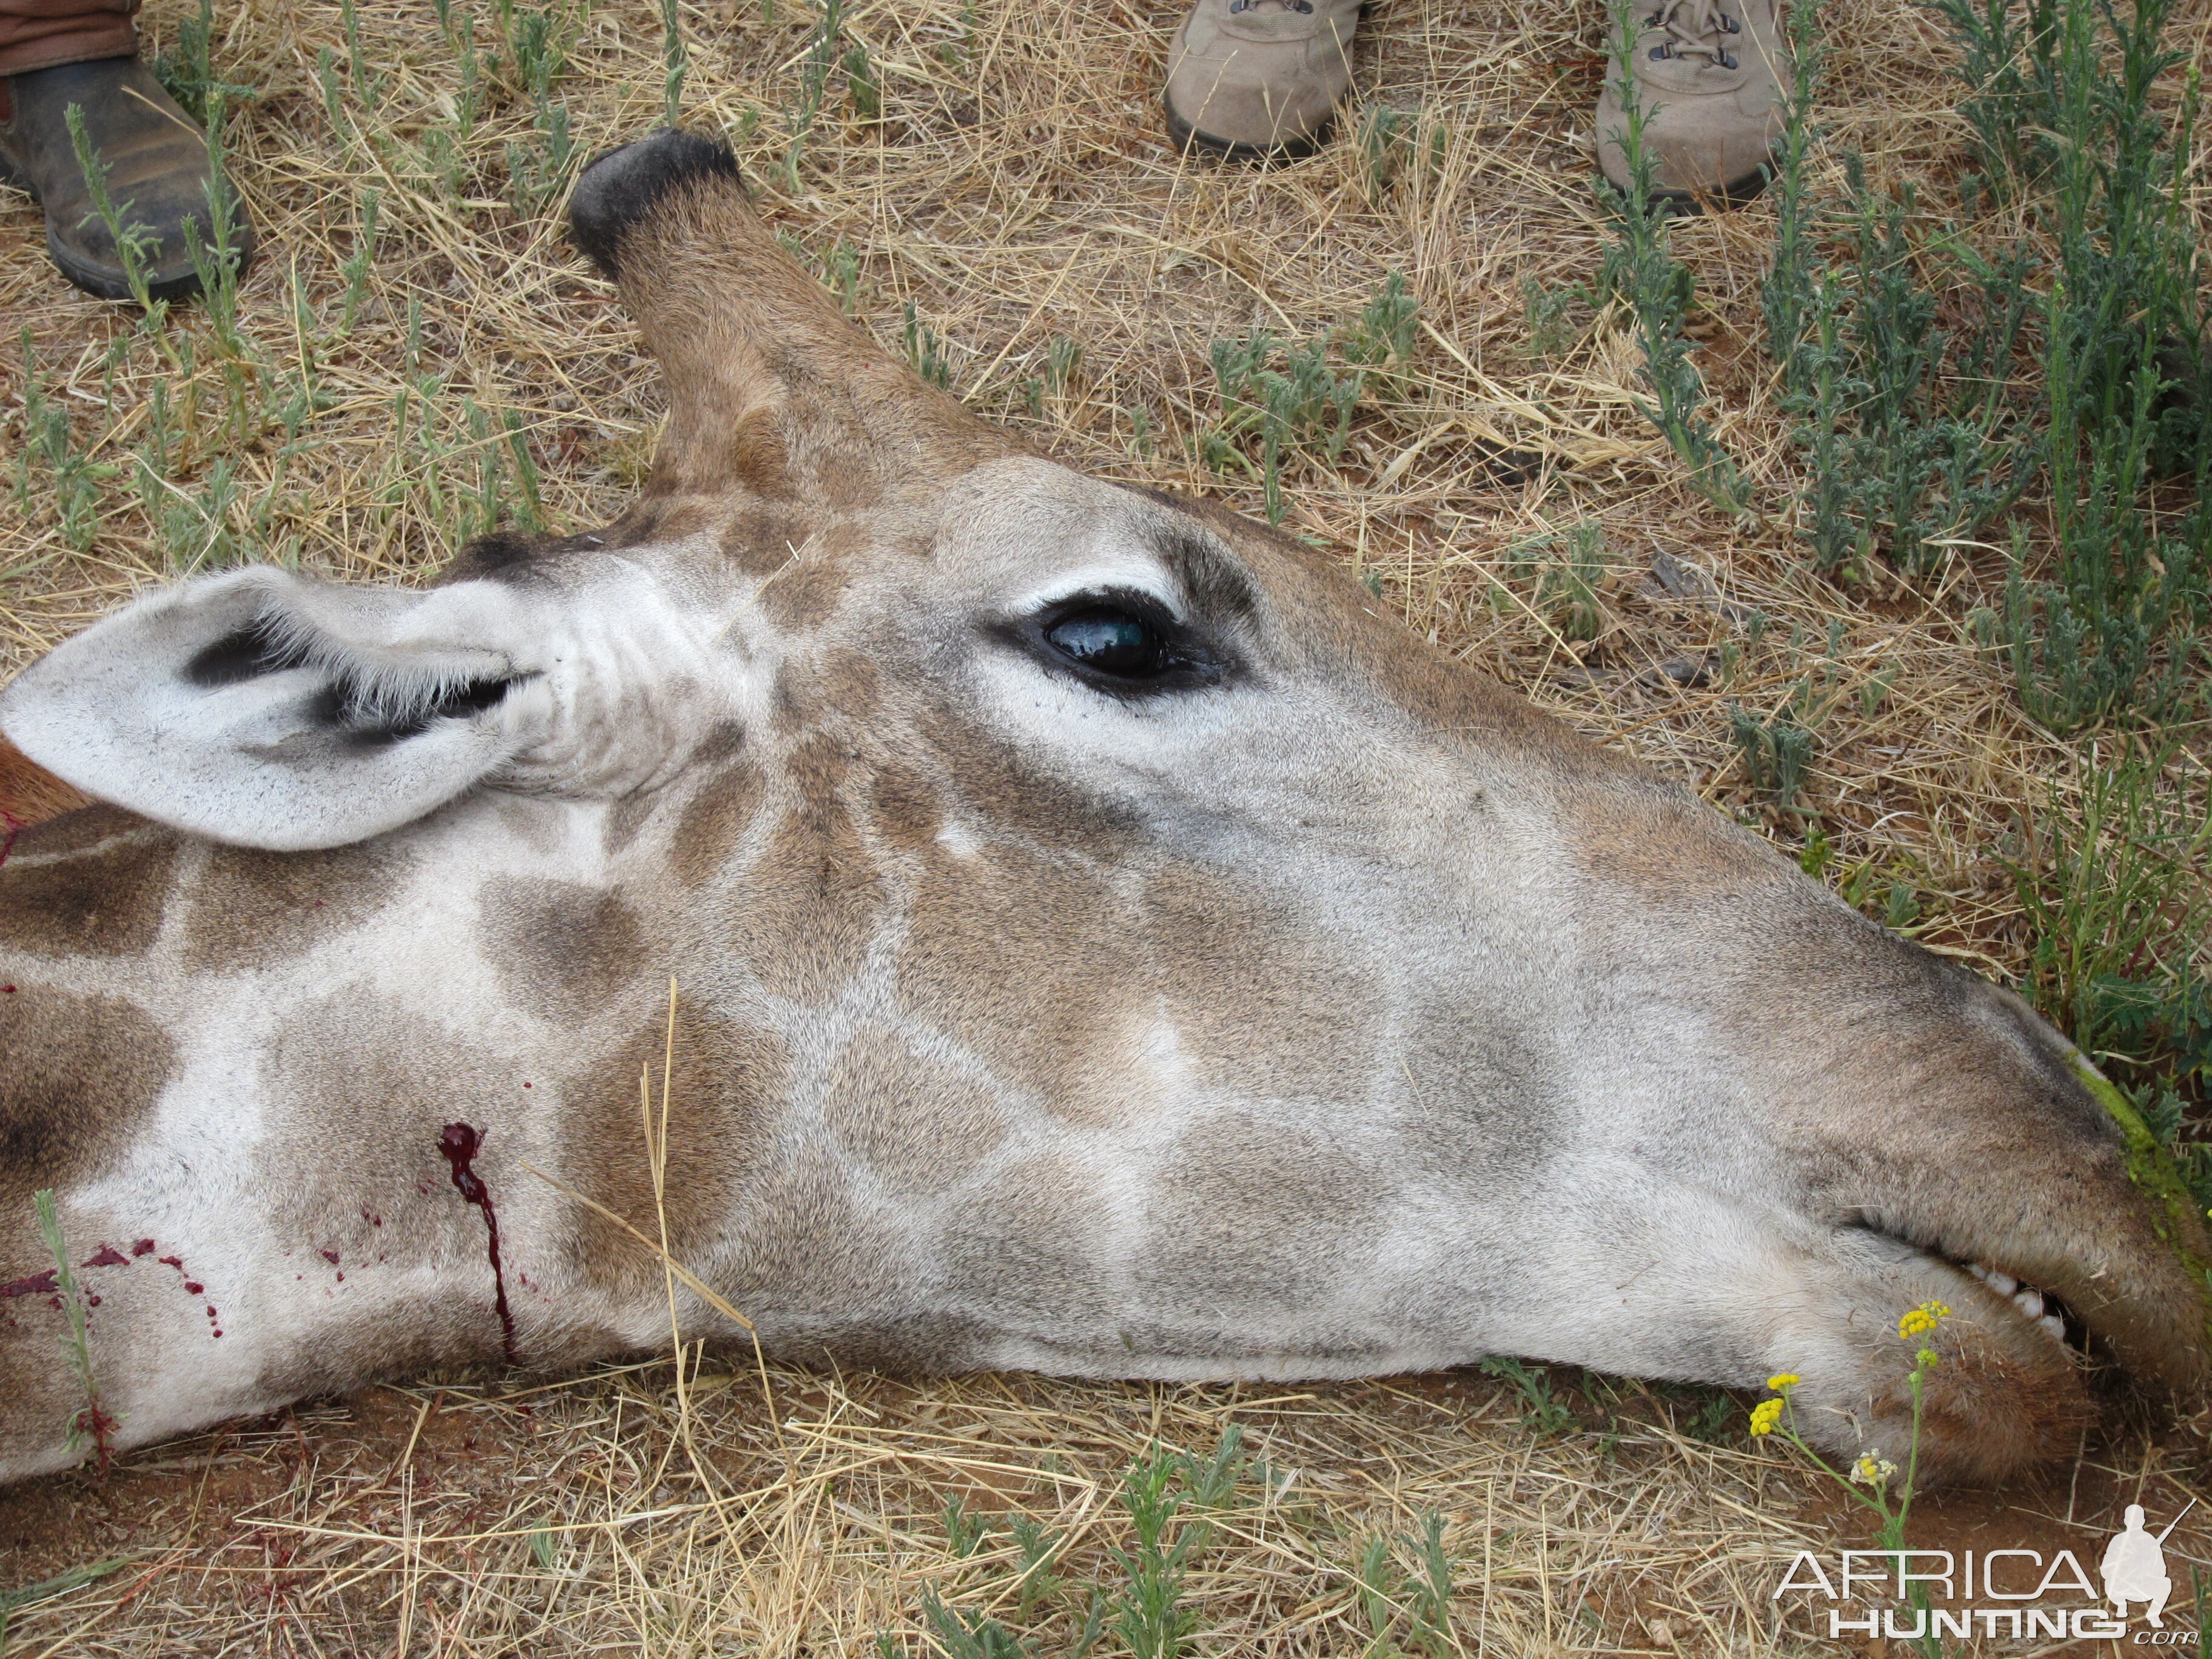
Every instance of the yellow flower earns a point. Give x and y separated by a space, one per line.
1765 1415
1782 1382
1922 1319
1872 1470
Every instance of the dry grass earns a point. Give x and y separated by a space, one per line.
1017 192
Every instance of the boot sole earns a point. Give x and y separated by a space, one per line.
1688 203
1186 138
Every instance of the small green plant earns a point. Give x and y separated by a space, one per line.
1546 1414
1384 136
60 1584
357 264
862 85
49 436
1777 752
2109 879
1148 1616
970 1635
89 1424
367 87
133 240
1382 335
924 350
186 67
1547 312
1170 1501
1404 1610
821 56
1641 271
965 1532
677 59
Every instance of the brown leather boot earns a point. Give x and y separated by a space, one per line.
159 173
1252 78
1709 77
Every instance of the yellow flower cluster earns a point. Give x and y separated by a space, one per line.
1782 1382
1922 1319
1765 1414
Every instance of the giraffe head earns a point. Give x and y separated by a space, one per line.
1108 943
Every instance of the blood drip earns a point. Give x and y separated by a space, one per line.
109 1256
36 1285
460 1146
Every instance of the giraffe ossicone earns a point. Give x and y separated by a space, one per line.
1105 943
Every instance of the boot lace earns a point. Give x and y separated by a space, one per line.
1695 28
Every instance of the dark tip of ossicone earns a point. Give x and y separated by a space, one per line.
618 188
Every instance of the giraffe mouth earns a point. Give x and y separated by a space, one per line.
2038 1307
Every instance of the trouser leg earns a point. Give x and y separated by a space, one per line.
40 33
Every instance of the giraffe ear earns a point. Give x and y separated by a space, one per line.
269 710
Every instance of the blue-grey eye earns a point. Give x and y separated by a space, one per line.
1109 641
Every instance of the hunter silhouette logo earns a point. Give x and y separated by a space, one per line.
2134 1567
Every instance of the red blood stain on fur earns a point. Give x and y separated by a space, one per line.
106 1256
458 1146
172 1261
143 1246
36 1285
193 1287
330 1256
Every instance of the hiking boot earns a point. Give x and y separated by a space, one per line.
1252 78
158 174
1708 76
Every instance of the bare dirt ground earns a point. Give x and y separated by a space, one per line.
1071 272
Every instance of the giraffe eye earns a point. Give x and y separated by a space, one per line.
1108 641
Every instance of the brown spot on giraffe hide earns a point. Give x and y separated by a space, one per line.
715 820
762 536
1254 992
904 809
814 899
79 1074
919 1124
93 882
803 599
248 908
1029 960
563 950
1262 1215
728 1079
1023 1244
849 682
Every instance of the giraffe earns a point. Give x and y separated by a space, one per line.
1103 941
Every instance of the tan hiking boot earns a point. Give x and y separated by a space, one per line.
1709 77
1249 78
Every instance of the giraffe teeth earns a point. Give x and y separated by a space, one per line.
2029 1302
2053 1327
